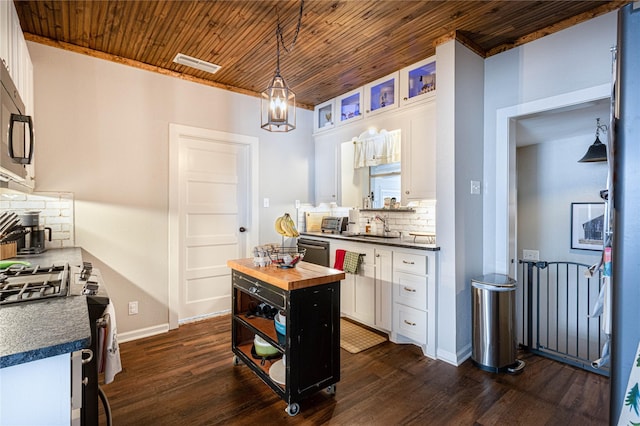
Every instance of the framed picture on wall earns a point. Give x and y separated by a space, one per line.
587 226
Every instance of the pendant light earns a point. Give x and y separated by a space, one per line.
278 101
597 151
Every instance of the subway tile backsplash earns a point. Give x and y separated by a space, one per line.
56 212
423 219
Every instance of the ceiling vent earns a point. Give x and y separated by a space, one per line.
196 63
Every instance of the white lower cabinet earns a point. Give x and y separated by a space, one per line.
394 291
384 289
414 293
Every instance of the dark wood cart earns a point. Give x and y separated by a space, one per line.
310 296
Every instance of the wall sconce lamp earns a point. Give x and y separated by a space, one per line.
597 151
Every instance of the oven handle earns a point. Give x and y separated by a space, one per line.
88 352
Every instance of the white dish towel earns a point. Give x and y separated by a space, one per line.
109 361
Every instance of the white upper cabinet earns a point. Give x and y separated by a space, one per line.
326 160
324 116
381 95
349 107
419 154
14 53
418 81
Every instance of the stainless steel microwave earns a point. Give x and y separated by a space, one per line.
17 131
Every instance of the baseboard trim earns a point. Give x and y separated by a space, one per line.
163 328
455 359
143 332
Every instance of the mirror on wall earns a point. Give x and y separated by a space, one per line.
370 166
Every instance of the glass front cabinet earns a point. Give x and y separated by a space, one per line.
349 106
418 81
381 95
324 116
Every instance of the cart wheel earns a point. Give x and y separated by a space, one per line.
292 409
236 360
331 390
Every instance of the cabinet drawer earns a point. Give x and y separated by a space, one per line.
258 289
412 263
410 290
410 322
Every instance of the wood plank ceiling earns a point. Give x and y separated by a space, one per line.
342 45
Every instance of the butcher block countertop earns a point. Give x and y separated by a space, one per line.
302 276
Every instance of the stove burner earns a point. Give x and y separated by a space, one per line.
23 284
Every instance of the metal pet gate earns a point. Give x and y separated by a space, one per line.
554 307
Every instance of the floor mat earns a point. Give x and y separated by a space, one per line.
354 338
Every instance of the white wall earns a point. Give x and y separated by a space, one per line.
102 133
548 182
459 213
568 61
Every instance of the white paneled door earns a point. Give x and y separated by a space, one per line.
210 215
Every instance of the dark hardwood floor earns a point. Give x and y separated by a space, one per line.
186 377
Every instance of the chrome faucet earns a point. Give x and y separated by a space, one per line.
385 227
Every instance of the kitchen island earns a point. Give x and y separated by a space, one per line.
308 353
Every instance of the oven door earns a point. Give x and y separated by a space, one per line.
317 251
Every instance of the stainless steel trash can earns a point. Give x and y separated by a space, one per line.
494 324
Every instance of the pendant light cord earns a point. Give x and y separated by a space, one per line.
280 37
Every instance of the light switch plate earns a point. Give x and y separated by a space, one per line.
475 187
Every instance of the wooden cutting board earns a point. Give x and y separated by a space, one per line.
313 221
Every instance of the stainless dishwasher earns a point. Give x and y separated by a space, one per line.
317 251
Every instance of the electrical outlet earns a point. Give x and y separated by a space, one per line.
133 308
531 255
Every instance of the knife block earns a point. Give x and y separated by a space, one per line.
8 250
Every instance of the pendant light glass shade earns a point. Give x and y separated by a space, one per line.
597 151
278 106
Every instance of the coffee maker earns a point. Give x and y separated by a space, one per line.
33 241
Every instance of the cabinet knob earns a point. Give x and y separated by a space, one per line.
406 192
405 99
242 229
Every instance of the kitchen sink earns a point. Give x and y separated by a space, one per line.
374 236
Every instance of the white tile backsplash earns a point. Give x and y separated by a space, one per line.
422 219
56 212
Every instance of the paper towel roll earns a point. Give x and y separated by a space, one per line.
354 221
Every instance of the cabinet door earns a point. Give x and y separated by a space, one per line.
326 169
365 295
324 116
418 82
4 31
349 107
383 284
347 295
419 155
381 95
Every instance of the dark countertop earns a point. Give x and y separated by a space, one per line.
41 329
394 242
